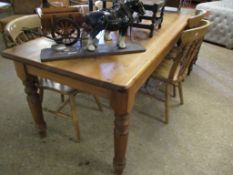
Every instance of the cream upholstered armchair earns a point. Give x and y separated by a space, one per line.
220 14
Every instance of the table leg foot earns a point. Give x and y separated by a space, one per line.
118 167
42 132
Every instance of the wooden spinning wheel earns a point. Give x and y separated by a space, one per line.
65 31
62 21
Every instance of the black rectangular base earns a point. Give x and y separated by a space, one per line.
49 54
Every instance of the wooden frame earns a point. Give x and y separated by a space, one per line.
155 19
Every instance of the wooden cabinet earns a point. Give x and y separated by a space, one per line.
174 3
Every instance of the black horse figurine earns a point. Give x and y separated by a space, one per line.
117 18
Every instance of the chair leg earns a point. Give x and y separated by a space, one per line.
62 98
174 90
98 103
190 67
41 94
167 98
75 118
180 93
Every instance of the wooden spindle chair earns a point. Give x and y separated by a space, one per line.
14 31
193 22
173 71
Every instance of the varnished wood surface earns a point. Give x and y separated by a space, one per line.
117 77
112 72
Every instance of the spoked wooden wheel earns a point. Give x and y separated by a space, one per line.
65 31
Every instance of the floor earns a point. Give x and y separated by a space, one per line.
197 141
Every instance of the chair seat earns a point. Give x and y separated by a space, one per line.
163 70
52 85
173 53
4 21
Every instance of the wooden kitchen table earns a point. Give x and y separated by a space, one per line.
117 77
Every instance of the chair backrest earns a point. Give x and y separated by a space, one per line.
191 40
14 29
195 20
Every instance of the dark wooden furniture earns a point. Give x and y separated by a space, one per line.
118 81
174 3
156 19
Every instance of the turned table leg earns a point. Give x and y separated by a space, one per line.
121 131
122 103
34 103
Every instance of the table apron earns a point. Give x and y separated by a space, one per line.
76 84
